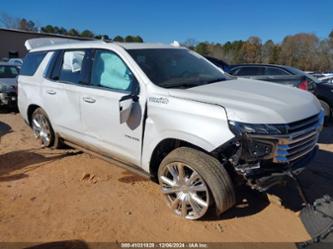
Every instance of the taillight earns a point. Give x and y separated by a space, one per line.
304 85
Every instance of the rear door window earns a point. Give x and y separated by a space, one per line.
275 71
71 68
250 71
31 63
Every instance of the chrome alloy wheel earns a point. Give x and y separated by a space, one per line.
41 129
185 190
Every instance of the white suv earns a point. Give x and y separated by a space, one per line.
168 113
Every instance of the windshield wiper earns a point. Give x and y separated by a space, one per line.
181 85
191 83
180 82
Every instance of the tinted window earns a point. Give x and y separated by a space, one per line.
110 71
234 71
8 71
72 62
51 71
250 71
31 63
176 67
275 71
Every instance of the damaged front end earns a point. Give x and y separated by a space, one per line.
265 155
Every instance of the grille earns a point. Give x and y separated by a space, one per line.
303 124
301 139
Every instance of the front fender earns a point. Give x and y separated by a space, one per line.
201 124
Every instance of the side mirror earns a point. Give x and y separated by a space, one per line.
126 103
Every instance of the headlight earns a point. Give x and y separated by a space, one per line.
256 147
239 128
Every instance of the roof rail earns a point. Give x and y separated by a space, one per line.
43 42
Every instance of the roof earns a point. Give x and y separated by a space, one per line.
72 44
134 45
43 44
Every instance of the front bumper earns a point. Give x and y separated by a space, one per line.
267 160
262 179
8 99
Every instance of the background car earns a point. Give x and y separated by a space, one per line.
324 92
15 61
220 63
288 76
327 79
277 74
281 74
315 74
8 84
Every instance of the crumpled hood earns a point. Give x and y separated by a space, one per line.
11 84
253 101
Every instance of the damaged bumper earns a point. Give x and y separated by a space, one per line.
262 179
266 160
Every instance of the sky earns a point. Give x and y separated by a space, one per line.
169 20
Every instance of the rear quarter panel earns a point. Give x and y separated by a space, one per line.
29 88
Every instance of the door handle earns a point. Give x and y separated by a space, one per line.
51 92
89 100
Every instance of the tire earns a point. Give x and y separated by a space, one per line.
327 109
193 181
42 128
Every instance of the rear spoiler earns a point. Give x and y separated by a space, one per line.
44 42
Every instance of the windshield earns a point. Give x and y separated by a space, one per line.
8 71
176 68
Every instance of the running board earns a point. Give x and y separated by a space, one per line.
130 167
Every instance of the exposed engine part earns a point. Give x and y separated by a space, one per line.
299 188
251 159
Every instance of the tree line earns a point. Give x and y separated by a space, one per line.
305 51
28 25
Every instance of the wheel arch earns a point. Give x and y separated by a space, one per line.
30 111
163 148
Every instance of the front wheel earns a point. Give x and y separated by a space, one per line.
193 181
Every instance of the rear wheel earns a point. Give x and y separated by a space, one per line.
42 128
192 180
